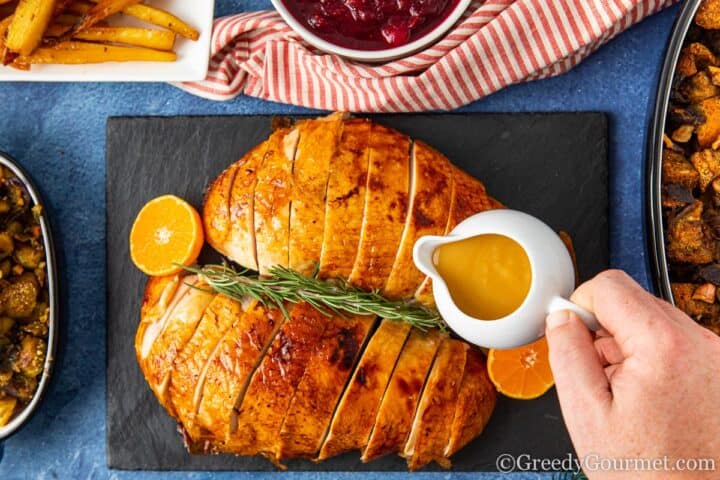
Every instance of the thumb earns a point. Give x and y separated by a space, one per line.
579 376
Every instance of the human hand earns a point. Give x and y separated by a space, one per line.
646 386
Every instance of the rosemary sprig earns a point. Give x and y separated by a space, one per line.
327 296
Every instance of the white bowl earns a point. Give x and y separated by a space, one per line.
372 55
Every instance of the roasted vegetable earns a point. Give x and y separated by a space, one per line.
18 299
676 169
694 58
708 15
30 20
24 311
698 87
76 32
707 164
6 244
674 195
699 310
161 18
31 356
28 256
140 37
101 11
688 241
691 172
82 53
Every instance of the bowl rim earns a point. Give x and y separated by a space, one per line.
53 299
372 55
655 233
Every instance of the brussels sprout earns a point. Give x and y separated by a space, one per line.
28 256
18 300
6 323
6 245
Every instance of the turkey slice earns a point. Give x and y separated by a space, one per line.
475 403
216 207
355 415
179 327
325 378
431 427
256 427
231 366
240 244
315 151
273 193
386 204
428 213
393 421
190 368
345 201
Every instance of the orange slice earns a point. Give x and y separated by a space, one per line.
522 373
167 231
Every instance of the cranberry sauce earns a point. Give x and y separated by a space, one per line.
370 24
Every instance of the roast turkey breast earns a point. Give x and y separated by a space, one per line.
346 198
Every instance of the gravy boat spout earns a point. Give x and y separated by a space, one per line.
424 251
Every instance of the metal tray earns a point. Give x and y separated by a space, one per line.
16 423
655 230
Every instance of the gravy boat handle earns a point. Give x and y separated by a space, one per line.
588 318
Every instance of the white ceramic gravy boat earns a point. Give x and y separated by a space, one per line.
553 280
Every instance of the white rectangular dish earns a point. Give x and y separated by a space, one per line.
191 64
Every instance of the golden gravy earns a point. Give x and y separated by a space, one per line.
488 275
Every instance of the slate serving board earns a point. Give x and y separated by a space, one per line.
553 166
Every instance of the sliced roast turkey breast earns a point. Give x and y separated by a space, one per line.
393 421
386 203
351 198
273 196
239 246
345 200
428 213
431 427
315 151
475 403
231 366
160 297
216 207
179 327
256 428
190 366
355 415
326 375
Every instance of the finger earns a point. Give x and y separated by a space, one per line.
609 351
630 314
611 370
579 376
602 333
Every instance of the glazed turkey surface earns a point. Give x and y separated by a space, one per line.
349 197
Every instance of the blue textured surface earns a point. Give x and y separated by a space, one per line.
57 131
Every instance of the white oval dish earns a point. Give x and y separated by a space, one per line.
553 280
372 56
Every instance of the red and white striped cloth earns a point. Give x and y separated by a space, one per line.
496 43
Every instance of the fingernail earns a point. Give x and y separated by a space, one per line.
557 319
